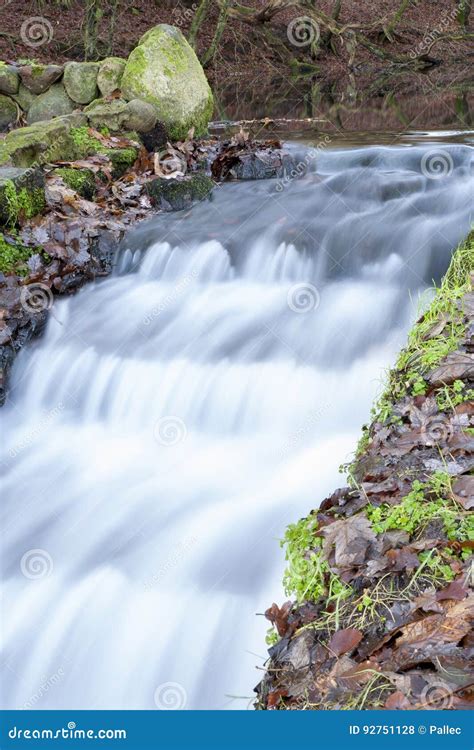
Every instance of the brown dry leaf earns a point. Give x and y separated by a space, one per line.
456 590
278 616
436 629
274 698
463 490
397 702
427 602
402 559
344 641
351 539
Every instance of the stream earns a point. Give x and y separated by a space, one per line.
176 416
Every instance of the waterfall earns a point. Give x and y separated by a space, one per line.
176 416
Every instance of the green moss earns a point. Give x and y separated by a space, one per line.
427 502
80 180
307 575
14 255
121 158
424 351
23 203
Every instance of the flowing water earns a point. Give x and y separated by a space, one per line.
177 415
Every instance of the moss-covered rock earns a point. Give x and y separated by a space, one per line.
9 79
8 112
121 158
24 98
179 193
164 71
80 81
141 116
21 194
80 180
109 114
110 74
52 103
38 78
42 142
13 255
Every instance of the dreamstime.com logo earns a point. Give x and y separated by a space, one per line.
36 298
437 164
303 31
303 298
36 31
67 733
170 696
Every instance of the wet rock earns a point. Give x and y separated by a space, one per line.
156 138
80 81
109 77
9 79
38 78
53 103
140 116
179 193
8 112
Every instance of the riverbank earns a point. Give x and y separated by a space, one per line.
380 574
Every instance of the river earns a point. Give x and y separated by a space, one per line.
176 416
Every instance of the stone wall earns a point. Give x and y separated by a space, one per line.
162 80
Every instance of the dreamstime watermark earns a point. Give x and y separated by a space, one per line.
438 696
182 16
169 163
36 563
36 298
170 696
436 164
303 31
170 298
36 31
435 429
181 549
32 435
303 298
169 431
47 684
301 167
296 437
430 37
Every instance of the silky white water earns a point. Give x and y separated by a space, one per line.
176 416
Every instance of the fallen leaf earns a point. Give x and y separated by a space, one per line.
344 641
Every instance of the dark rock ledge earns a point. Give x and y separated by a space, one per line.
381 574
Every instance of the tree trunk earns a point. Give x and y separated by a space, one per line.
93 15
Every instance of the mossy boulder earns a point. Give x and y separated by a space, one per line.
21 194
109 77
109 114
164 71
42 142
38 78
80 81
52 103
24 98
8 112
80 180
9 79
179 193
141 116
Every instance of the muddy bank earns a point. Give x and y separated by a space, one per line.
380 576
